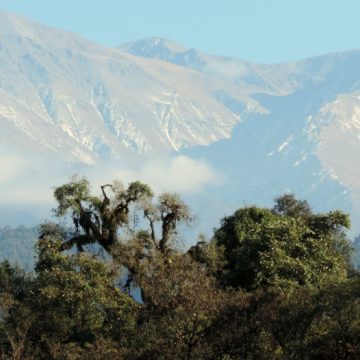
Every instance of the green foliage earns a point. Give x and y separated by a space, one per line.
100 219
82 290
335 332
318 324
288 205
13 281
138 190
292 293
72 300
104 220
72 195
266 248
181 303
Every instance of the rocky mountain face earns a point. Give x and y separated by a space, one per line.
303 135
65 94
264 129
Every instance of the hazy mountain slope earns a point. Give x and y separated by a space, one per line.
297 125
291 150
275 79
255 77
98 102
308 138
338 141
267 156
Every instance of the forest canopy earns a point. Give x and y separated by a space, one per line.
272 283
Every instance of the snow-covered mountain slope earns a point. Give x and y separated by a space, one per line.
265 129
308 138
275 79
268 155
338 141
256 78
70 94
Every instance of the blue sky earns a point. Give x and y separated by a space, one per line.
265 31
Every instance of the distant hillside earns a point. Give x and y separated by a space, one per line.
17 245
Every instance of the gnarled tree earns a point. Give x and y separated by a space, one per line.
100 219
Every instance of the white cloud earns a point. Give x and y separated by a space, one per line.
10 167
180 174
28 178
31 180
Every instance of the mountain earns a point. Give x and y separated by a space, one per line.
83 101
276 79
262 128
306 139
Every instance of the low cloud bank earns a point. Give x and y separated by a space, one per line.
29 179
10 167
180 174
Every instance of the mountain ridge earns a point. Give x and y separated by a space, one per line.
97 78
84 103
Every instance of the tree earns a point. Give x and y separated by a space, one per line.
99 219
283 247
15 288
104 220
318 323
80 290
335 332
72 304
288 205
271 284
182 302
